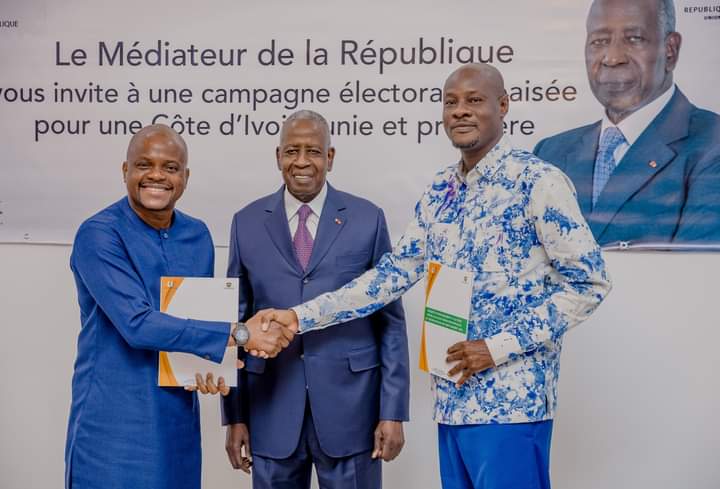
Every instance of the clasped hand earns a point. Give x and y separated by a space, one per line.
271 331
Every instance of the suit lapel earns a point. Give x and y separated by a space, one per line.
579 166
279 231
332 221
649 155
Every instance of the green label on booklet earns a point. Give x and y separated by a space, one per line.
439 318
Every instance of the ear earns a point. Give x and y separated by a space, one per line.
672 50
504 104
187 176
277 157
124 171
331 157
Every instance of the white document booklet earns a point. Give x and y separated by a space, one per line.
209 299
445 320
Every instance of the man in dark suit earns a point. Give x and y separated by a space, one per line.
335 399
649 172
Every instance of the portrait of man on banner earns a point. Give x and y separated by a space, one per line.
648 172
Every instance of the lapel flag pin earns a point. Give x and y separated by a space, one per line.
338 221
653 164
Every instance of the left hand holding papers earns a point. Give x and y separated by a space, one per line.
472 357
208 386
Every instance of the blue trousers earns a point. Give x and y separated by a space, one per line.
357 471
495 456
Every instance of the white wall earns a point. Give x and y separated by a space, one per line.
639 393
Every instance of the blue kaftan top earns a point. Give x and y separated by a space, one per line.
125 431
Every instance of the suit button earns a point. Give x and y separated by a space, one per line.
306 280
302 356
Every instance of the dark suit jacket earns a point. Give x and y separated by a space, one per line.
353 375
665 189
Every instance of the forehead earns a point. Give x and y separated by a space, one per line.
303 131
158 146
611 14
466 81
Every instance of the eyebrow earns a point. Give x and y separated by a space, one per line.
448 93
147 158
606 28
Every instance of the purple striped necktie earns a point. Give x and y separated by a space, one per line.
303 240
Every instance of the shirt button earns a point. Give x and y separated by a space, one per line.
306 280
165 235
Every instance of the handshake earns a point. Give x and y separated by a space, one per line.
271 330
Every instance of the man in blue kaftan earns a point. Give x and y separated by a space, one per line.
124 431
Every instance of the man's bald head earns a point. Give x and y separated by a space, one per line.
486 74
474 105
160 131
155 173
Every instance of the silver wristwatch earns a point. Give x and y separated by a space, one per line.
241 334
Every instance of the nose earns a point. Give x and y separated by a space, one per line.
303 159
156 173
460 110
615 53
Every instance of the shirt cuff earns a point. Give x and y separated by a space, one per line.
501 346
302 312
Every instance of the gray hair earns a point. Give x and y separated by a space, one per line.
666 16
307 115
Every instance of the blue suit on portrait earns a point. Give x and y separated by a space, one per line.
665 189
341 380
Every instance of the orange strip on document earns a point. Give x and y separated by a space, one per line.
168 287
432 273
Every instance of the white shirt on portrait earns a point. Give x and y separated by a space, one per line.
635 124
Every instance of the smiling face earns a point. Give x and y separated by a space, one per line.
156 174
474 105
304 157
628 56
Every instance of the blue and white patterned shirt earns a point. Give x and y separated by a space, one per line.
513 221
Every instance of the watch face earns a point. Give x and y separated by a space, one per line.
241 334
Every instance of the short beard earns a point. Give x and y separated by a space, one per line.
469 145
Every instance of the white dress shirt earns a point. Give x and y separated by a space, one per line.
292 205
635 124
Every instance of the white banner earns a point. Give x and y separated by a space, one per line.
79 77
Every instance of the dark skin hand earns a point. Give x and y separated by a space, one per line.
389 440
237 437
208 386
472 357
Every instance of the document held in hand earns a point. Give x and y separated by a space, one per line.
209 299
445 319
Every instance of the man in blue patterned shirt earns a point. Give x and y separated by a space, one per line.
513 221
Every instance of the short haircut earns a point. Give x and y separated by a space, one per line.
307 115
666 16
